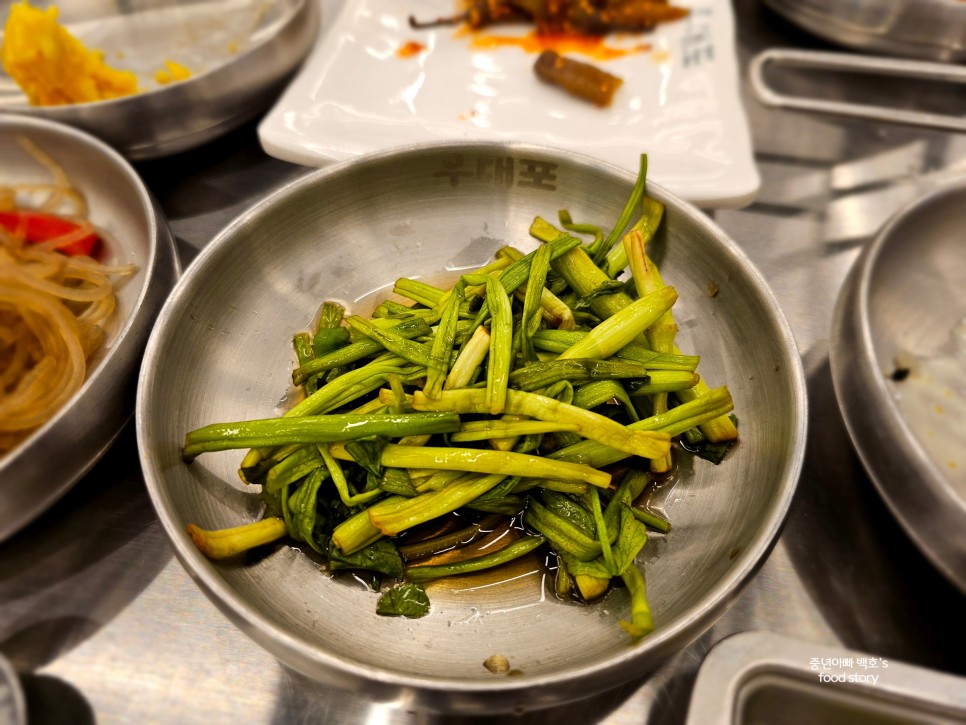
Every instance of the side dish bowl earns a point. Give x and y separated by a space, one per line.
903 298
49 462
222 351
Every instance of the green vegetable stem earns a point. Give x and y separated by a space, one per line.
534 396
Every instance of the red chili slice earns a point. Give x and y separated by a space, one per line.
36 227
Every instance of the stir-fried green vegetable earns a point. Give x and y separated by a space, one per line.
526 407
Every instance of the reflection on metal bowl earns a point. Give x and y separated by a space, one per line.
241 52
47 463
222 351
927 29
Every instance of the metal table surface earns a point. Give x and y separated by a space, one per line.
106 626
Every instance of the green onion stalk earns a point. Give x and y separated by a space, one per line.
532 396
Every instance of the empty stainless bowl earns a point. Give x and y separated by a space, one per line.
46 464
241 52
905 294
222 351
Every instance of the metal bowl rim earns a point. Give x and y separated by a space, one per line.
722 593
824 23
873 387
210 77
866 273
154 233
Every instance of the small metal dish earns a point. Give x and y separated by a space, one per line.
761 677
49 462
241 51
905 294
222 350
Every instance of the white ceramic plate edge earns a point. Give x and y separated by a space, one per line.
735 189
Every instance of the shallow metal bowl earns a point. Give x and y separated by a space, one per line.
47 463
222 351
905 294
241 53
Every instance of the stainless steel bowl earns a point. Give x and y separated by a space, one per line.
222 351
905 293
927 29
48 463
239 70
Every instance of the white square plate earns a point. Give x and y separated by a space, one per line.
679 103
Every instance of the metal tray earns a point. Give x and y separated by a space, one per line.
759 678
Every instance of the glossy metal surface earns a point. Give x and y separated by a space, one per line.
13 708
164 120
930 29
103 623
760 677
47 463
905 294
222 351
875 68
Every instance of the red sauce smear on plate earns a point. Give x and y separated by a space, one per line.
408 50
533 42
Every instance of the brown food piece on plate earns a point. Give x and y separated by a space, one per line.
582 80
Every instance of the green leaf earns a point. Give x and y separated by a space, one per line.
565 507
714 452
272 501
367 452
630 540
603 534
396 481
381 556
404 600
502 489
608 287
508 505
303 505
562 390
630 488
596 568
329 339
597 393
565 537
293 468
